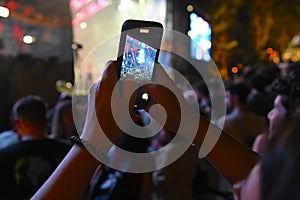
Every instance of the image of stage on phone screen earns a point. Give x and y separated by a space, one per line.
138 60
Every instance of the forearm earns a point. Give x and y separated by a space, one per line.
71 178
230 157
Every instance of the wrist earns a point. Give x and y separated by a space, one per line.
88 147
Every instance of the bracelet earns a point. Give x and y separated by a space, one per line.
75 139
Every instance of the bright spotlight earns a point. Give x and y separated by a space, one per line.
145 97
83 25
190 8
28 39
4 12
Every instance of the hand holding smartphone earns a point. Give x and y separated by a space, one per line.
138 52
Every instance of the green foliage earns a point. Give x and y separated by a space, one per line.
255 25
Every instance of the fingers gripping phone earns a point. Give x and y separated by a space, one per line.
138 52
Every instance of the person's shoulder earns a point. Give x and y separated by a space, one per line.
15 147
23 147
258 118
41 142
231 119
226 122
8 138
252 116
8 135
56 143
10 154
43 146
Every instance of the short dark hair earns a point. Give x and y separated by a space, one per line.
240 89
31 109
258 82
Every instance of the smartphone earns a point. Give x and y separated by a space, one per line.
138 52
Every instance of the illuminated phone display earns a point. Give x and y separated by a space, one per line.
138 60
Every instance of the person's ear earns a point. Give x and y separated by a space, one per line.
17 123
22 126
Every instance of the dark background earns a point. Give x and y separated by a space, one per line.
253 25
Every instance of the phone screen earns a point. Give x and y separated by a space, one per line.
138 59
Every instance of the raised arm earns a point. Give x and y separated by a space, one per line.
71 178
230 157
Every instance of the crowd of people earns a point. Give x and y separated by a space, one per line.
256 156
28 153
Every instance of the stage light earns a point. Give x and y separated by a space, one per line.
145 96
125 5
190 8
4 12
83 25
28 39
234 70
200 33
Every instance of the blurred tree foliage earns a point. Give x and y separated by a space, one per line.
244 29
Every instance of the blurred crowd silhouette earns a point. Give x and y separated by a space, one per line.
261 107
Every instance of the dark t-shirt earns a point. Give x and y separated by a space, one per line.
26 165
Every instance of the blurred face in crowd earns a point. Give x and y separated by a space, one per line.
248 189
228 99
277 115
